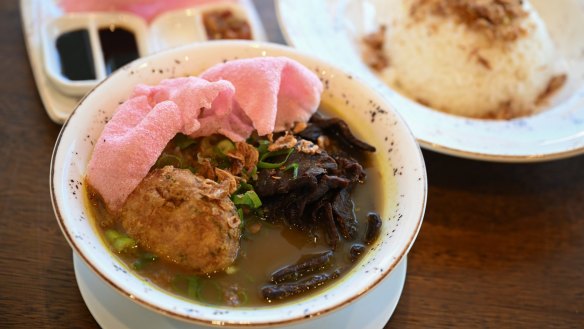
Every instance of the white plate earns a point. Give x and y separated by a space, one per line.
168 30
330 29
112 310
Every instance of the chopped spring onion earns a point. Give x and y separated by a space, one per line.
255 199
243 187
169 160
242 297
225 146
249 198
206 149
143 260
294 166
193 287
263 147
119 241
196 287
112 235
183 141
123 244
231 269
253 173
269 165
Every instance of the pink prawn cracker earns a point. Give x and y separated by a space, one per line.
273 92
147 9
266 94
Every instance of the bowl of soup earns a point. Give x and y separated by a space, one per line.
238 184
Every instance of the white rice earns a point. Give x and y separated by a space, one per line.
446 65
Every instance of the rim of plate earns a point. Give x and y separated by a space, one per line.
219 45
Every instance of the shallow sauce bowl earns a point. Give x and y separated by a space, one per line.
398 156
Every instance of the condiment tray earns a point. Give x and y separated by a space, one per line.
70 53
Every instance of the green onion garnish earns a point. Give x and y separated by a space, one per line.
253 174
243 187
255 199
112 235
183 141
231 270
225 146
143 260
169 160
263 147
269 165
249 198
123 244
242 297
294 166
119 241
193 287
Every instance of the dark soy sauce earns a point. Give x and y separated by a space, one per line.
75 55
118 46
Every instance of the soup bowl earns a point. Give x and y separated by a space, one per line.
372 118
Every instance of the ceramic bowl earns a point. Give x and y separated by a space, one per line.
403 181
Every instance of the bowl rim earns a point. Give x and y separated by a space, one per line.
193 319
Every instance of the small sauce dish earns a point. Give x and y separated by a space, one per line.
81 49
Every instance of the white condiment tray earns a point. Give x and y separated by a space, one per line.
44 22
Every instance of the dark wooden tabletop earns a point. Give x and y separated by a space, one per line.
502 245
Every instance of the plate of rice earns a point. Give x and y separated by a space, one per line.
494 80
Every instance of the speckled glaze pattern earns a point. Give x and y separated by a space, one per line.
111 310
331 30
402 167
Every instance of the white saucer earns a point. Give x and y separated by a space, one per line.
112 310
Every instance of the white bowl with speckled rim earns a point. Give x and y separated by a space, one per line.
403 176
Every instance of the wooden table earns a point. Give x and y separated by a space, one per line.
502 245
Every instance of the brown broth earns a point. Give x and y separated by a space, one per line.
274 246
